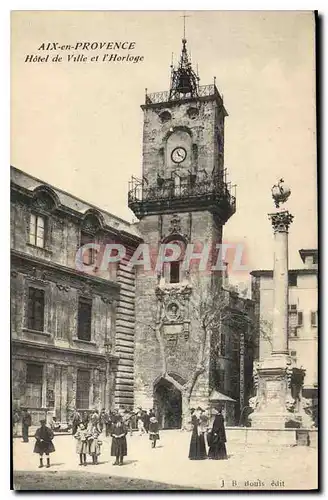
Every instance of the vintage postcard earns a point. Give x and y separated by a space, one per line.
164 255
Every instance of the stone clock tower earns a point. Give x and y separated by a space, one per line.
182 197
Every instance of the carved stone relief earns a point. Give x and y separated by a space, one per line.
174 311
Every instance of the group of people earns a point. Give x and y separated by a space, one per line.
25 418
87 428
211 428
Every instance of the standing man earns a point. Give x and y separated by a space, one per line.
16 419
76 420
146 421
26 423
108 422
102 420
95 418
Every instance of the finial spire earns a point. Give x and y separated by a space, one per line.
184 25
184 80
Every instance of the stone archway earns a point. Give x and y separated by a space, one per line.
167 404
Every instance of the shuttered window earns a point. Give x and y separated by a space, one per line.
37 230
35 309
84 319
83 389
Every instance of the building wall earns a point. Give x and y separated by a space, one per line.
305 344
53 269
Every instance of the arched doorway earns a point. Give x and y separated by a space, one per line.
168 404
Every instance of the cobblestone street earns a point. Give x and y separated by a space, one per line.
259 467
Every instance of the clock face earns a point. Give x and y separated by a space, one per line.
178 154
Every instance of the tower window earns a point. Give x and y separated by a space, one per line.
177 186
175 272
165 116
193 113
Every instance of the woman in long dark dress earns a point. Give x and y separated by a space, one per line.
197 450
217 438
119 446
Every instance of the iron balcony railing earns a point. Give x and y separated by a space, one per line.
203 91
188 189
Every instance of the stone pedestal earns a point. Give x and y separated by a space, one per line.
277 403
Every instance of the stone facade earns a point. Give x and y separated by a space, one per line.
52 269
184 199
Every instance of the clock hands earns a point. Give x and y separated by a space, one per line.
178 155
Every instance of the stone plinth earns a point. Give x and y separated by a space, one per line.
268 436
277 403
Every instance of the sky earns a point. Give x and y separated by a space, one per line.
78 125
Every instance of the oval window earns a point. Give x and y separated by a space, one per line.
192 113
165 116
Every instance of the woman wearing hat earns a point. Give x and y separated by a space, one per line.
119 446
44 445
217 437
197 450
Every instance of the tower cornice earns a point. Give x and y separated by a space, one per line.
162 99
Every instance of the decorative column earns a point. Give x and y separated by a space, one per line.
280 223
277 380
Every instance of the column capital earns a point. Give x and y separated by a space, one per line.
281 221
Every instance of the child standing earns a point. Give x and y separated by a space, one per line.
119 446
153 430
94 445
44 445
140 422
82 444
